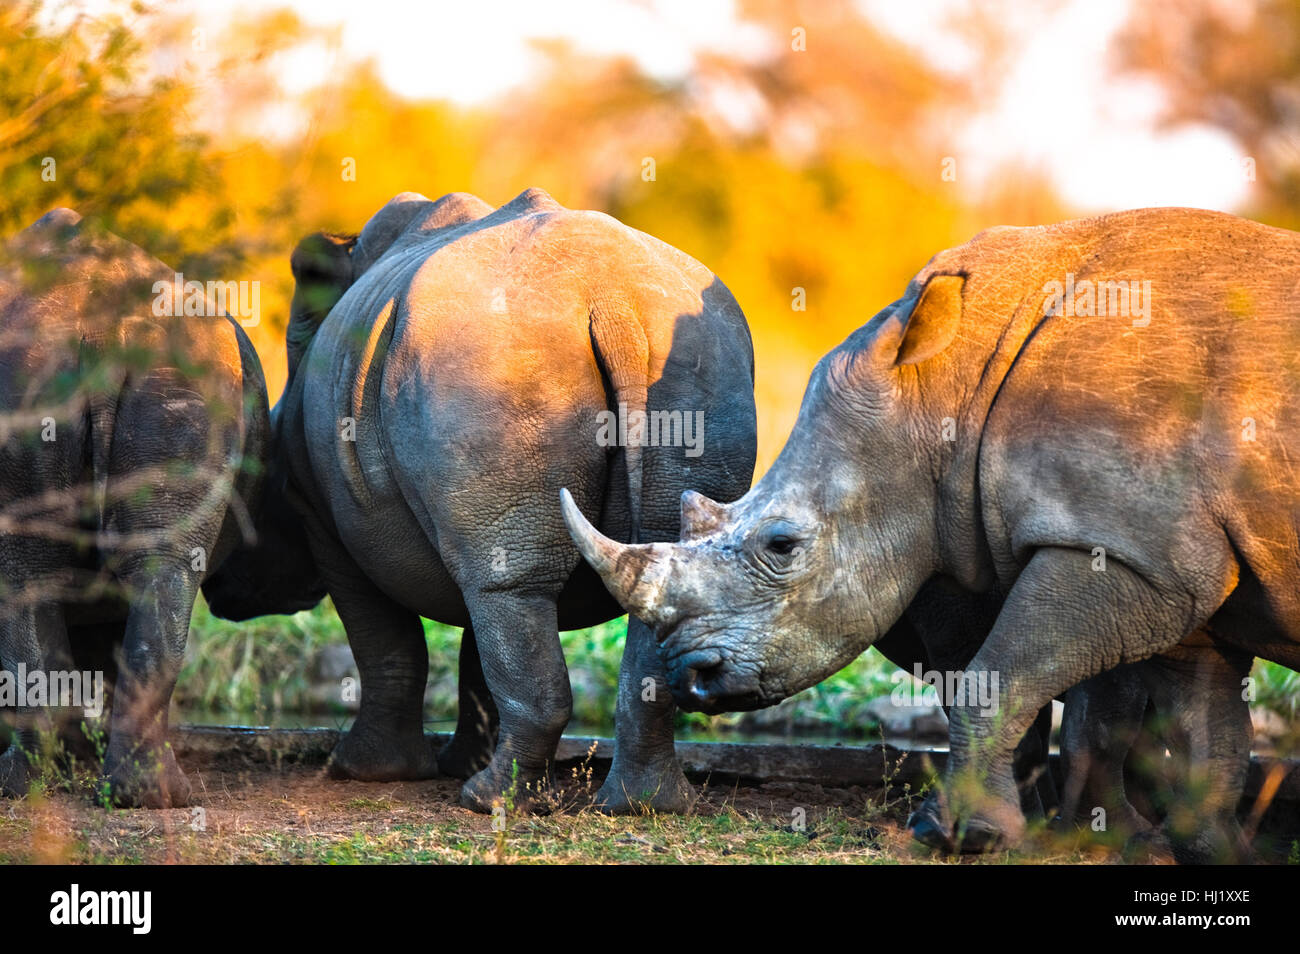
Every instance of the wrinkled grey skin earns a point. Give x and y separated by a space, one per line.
474 349
158 431
940 632
1107 742
1070 433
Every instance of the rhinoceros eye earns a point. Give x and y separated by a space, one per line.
782 545
781 538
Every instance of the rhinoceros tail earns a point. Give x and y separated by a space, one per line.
106 380
624 356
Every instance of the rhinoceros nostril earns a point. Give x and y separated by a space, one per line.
701 660
697 669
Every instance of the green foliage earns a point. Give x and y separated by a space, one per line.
261 669
1277 688
257 668
86 125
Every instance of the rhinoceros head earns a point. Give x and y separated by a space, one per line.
768 595
272 569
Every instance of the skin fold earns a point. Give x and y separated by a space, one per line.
133 445
449 368
1118 478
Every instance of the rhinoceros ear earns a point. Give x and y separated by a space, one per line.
933 321
323 258
322 272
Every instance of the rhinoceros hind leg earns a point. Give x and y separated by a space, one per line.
140 769
35 637
386 742
13 772
1200 687
477 721
1102 720
523 664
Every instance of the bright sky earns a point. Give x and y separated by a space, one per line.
1059 108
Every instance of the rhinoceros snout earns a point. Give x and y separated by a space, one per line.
703 681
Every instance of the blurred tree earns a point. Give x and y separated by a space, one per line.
82 129
1235 66
804 167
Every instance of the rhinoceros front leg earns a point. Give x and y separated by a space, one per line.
477 719
1062 623
519 645
140 768
645 774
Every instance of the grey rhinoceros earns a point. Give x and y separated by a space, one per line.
1092 421
450 368
130 443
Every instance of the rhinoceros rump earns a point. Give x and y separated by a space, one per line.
1118 476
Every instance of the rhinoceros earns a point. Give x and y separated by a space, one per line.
131 441
1091 421
450 369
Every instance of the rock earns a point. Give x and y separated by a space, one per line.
917 719
333 662
328 691
1268 725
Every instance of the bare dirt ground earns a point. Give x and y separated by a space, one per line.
247 812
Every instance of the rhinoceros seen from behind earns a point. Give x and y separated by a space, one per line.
131 443
450 368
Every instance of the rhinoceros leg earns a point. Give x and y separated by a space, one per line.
942 630
386 742
645 774
34 638
477 720
1029 765
519 644
1062 623
140 769
1102 721
1200 687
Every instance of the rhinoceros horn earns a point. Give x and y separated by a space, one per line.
637 575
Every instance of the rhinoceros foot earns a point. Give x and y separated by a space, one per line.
1208 844
980 835
522 790
644 789
929 825
13 773
148 778
465 754
994 828
369 756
